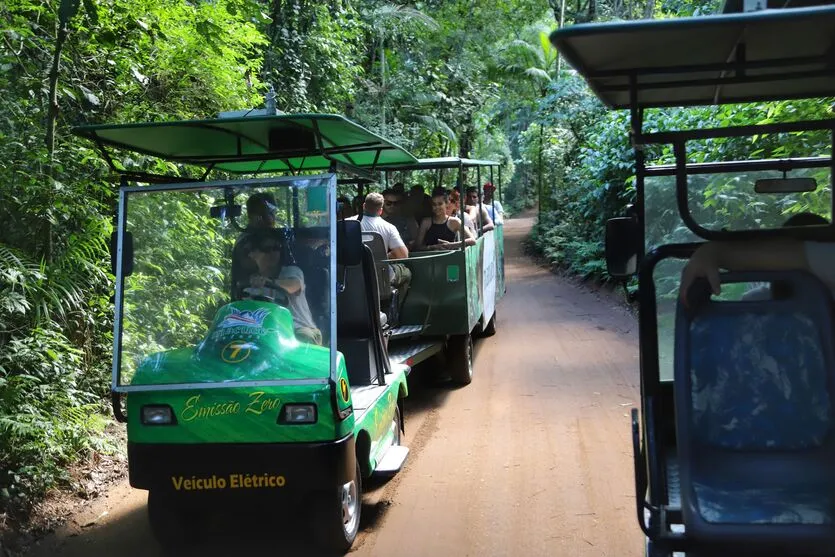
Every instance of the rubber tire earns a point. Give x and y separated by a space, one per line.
490 329
398 422
173 525
460 359
329 527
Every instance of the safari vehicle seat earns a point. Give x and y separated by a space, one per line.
754 414
359 333
388 295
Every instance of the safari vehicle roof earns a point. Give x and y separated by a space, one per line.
441 162
254 144
729 58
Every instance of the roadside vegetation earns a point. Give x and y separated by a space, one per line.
409 71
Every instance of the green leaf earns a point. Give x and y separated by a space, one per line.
90 96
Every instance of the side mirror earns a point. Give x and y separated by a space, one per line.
349 242
224 212
623 238
127 253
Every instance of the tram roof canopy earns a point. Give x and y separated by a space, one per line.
285 142
718 59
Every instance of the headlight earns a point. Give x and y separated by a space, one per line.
297 414
158 415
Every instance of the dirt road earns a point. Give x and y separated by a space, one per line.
532 459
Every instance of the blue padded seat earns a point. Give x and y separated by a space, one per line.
754 415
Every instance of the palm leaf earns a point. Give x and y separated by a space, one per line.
530 52
436 125
538 74
389 12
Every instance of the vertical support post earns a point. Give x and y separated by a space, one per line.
647 326
296 217
480 207
462 201
494 194
832 168
501 200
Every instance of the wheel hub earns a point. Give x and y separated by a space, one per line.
350 504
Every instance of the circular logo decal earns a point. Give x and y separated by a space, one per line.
236 351
343 389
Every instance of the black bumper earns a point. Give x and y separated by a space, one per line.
241 468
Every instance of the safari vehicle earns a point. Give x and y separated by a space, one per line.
734 450
453 293
225 399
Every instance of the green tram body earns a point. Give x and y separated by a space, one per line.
473 278
453 294
209 419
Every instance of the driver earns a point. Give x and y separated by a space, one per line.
260 269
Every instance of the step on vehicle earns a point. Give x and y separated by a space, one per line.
734 445
250 361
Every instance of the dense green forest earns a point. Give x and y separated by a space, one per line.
441 77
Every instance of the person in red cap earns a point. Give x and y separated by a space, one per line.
494 206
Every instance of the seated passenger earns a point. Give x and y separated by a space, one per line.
777 290
440 231
356 204
399 188
371 221
763 255
258 268
393 212
493 206
454 210
418 204
344 209
473 209
260 211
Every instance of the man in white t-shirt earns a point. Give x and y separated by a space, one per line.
371 220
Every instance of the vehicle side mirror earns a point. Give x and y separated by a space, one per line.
623 237
349 242
127 253
224 212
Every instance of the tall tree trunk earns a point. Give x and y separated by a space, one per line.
383 82
540 172
592 10
52 116
561 22
66 11
650 9
464 146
